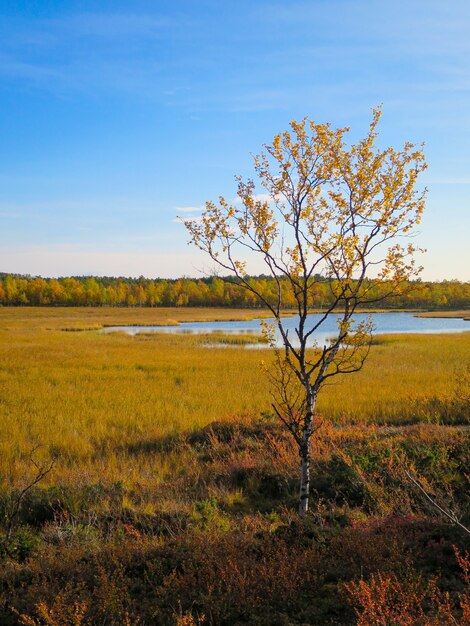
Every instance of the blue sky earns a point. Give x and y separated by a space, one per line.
115 116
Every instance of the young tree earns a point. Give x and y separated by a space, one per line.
329 209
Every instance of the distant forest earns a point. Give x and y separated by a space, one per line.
211 292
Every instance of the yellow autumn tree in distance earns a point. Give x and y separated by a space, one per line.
327 208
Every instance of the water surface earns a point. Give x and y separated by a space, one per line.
384 323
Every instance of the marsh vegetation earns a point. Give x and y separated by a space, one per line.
172 497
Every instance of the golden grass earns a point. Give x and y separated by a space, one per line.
463 314
80 318
96 399
220 338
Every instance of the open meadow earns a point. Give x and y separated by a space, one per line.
173 488
235 313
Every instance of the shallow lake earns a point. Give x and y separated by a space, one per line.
383 323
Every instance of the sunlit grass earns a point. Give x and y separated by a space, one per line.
92 399
80 318
464 313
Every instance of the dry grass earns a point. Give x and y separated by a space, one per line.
96 317
151 517
463 314
94 399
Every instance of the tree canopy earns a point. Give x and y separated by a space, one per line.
18 290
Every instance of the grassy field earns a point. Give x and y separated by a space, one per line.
127 419
463 314
88 395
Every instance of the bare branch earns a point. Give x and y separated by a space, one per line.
450 515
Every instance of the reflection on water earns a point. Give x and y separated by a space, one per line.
383 323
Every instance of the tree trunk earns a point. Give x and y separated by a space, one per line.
304 451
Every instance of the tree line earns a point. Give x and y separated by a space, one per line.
17 290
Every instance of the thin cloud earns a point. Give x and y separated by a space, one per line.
257 197
87 51
55 32
263 197
111 26
189 209
20 69
181 220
